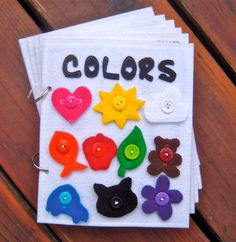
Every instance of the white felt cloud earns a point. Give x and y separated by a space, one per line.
167 106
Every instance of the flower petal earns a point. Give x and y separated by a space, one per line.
106 96
118 90
172 171
175 196
131 113
162 184
149 206
165 212
120 120
148 192
131 92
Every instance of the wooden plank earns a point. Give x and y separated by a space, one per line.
214 117
214 120
19 120
217 19
19 134
17 221
52 13
86 234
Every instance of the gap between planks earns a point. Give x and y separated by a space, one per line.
37 17
204 38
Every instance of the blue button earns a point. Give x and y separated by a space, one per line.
65 198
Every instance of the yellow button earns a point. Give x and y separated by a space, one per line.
119 103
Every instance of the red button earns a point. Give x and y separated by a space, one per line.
166 154
98 149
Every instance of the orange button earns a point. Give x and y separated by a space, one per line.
63 146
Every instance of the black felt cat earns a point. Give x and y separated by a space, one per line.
117 200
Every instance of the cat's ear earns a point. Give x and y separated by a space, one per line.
99 189
126 183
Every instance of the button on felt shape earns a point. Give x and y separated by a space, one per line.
167 106
65 199
99 151
117 200
71 105
119 105
164 158
160 198
131 151
64 149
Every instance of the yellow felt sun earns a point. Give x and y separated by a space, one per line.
119 105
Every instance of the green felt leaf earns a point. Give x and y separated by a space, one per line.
134 138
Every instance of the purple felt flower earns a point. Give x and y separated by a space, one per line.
160 198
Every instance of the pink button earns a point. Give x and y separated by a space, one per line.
71 101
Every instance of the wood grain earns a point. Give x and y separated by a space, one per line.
71 233
214 118
17 222
19 135
217 19
19 126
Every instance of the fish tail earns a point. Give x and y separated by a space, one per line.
68 168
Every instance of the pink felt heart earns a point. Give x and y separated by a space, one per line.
71 105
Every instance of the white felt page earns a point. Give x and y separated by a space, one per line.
195 167
90 124
136 41
31 51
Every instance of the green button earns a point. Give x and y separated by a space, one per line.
65 198
132 152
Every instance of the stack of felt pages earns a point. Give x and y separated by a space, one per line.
116 134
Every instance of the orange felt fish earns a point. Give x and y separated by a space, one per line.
64 149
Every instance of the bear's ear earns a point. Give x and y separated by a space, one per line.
99 189
126 183
174 144
158 140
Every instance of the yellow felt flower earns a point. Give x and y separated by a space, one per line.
119 105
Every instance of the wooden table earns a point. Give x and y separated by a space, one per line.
212 26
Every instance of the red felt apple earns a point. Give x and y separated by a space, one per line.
99 151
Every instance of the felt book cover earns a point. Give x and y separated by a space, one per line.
115 134
115 103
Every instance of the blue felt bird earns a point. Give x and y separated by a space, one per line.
65 199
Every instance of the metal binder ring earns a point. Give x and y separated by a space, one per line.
34 157
35 100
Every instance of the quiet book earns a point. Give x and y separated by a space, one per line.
115 99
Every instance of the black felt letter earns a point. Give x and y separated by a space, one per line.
146 65
91 66
169 75
129 62
75 63
112 76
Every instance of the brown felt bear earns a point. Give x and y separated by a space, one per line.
164 158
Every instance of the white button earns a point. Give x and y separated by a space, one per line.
167 106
